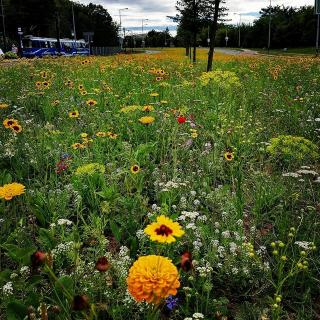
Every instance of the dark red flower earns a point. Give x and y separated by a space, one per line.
38 258
80 303
102 264
181 119
186 261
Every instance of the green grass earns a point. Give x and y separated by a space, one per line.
232 156
289 51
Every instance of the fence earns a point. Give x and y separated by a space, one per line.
105 51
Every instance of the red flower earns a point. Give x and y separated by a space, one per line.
102 264
80 303
38 258
186 261
182 119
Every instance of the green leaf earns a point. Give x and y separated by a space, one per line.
46 237
16 310
115 230
64 284
21 255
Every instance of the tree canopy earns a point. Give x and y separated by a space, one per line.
38 18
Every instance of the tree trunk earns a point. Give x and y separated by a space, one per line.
194 47
187 50
214 27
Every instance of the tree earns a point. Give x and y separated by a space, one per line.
44 17
213 32
194 14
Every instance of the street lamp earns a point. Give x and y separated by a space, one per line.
142 25
3 28
123 9
240 15
269 35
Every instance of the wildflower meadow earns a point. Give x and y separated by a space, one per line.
140 187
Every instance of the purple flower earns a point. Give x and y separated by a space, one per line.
171 302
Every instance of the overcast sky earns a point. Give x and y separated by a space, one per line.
158 10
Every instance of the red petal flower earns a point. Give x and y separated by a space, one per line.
182 119
186 261
102 264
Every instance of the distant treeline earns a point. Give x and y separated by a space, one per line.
45 17
290 27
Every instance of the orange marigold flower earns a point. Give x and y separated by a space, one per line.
153 278
8 191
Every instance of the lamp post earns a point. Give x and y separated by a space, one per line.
142 25
123 9
3 28
317 12
240 16
269 34
73 23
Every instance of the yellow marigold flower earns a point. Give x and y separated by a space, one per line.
8 123
153 278
3 105
135 169
8 191
164 230
16 128
91 102
229 156
83 92
83 135
146 120
74 114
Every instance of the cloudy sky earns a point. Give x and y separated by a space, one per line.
156 11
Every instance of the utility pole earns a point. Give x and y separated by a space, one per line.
3 27
74 25
240 31
269 35
142 24
58 32
121 24
318 34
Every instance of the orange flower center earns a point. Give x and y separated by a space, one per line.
163 231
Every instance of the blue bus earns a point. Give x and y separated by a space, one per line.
40 47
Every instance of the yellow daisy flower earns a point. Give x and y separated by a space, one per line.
164 230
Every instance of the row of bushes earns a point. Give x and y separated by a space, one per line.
9 55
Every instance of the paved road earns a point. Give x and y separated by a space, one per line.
234 52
